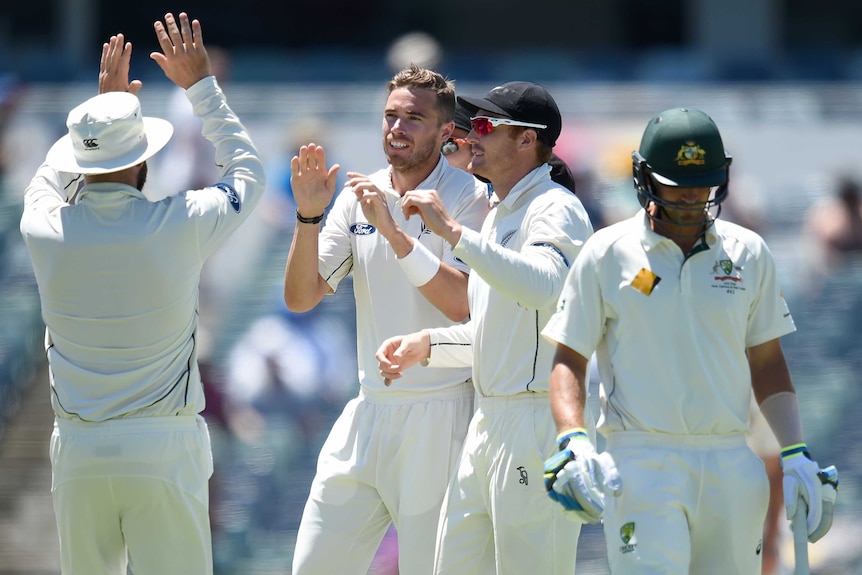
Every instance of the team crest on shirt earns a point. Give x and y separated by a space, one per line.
362 229
627 535
727 275
232 196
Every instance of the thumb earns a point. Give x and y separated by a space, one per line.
610 480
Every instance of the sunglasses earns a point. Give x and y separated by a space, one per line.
484 125
452 145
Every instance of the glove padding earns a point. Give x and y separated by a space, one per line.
578 478
806 484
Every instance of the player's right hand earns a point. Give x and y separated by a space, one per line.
578 478
313 184
806 484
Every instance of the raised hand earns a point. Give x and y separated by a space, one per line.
428 205
183 58
373 202
313 184
114 67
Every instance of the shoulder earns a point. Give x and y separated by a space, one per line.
730 232
613 236
455 182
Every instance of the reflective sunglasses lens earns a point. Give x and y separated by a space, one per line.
482 126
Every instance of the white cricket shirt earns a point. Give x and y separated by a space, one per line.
118 276
670 333
387 304
520 261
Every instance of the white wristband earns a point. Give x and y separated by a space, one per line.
420 265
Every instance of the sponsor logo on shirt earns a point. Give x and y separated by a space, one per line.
232 196
523 471
627 534
362 229
727 276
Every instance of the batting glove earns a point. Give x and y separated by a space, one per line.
578 478
806 484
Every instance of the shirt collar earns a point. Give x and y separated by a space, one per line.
109 188
651 239
533 178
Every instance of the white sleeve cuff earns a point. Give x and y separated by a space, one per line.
420 265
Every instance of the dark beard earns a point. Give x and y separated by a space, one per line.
142 177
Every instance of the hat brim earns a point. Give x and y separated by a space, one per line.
709 179
475 104
61 156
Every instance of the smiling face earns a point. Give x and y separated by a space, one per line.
412 131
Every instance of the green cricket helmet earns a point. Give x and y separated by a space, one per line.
681 147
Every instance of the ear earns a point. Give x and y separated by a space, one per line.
527 138
448 128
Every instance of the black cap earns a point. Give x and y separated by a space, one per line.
523 101
462 118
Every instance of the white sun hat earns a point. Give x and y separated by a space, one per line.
107 133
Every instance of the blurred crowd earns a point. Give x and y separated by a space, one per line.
276 380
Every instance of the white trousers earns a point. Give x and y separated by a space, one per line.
133 492
690 504
497 517
388 458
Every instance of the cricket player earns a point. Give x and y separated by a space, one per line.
684 313
118 280
389 455
496 517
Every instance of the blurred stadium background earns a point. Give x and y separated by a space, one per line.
780 77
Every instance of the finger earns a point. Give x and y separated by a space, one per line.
135 86
186 30
320 156
173 31
197 33
294 166
163 38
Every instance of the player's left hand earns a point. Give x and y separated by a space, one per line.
806 484
114 67
578 478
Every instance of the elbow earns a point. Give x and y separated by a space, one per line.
458 313
295 303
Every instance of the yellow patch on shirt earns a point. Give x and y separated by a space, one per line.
645 281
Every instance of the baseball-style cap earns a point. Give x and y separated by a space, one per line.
682 147
523 101
107 133
462 118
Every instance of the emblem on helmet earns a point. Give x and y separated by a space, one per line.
690 154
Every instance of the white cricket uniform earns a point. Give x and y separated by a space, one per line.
118 282
670 334
497 515
390 454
